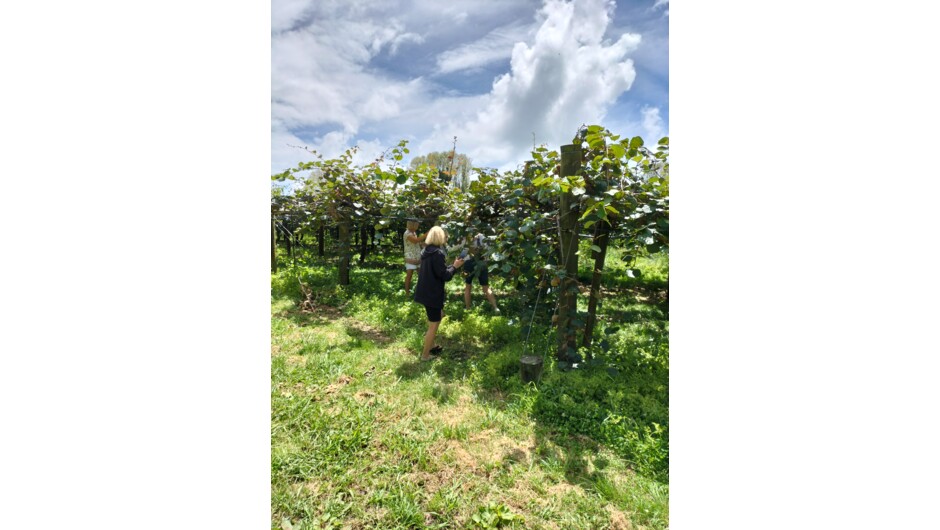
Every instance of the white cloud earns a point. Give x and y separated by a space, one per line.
285 13
319 75
567 77
653 125
377 69
496 45
662 4
288 150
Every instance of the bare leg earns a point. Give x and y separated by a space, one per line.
466 296
429 340
489 296
408 281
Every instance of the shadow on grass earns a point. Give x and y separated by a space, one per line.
570 410
323 316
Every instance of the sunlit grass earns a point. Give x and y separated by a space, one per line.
365 436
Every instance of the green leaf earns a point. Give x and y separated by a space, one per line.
595 248
636 142
506 268
617 150
596 142
588 210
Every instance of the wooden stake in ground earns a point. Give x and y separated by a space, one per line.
568 213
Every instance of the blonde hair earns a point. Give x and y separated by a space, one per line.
436 236
412 225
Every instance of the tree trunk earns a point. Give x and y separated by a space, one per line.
345 251
601 239
363 242
568 213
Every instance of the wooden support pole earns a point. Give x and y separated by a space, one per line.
568 213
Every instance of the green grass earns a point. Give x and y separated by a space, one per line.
363 435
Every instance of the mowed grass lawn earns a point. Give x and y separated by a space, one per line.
363 435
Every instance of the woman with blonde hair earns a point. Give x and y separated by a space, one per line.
432 276
412 244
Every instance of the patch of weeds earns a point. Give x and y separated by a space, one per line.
402 505
456 432
495 515
445 503
444 393
646 501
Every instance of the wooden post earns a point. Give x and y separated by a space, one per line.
568 213
273 245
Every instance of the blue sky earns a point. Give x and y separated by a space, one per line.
499 75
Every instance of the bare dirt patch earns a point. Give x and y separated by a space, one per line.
340 383
296 360
463 460
365 396
563 489
618 519
299 389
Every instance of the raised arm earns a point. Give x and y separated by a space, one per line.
416 238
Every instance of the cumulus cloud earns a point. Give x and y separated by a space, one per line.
377 71
568 76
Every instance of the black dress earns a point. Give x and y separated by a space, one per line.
431 278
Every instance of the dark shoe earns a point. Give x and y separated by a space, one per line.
436 350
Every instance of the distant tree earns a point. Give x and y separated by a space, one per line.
453 168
